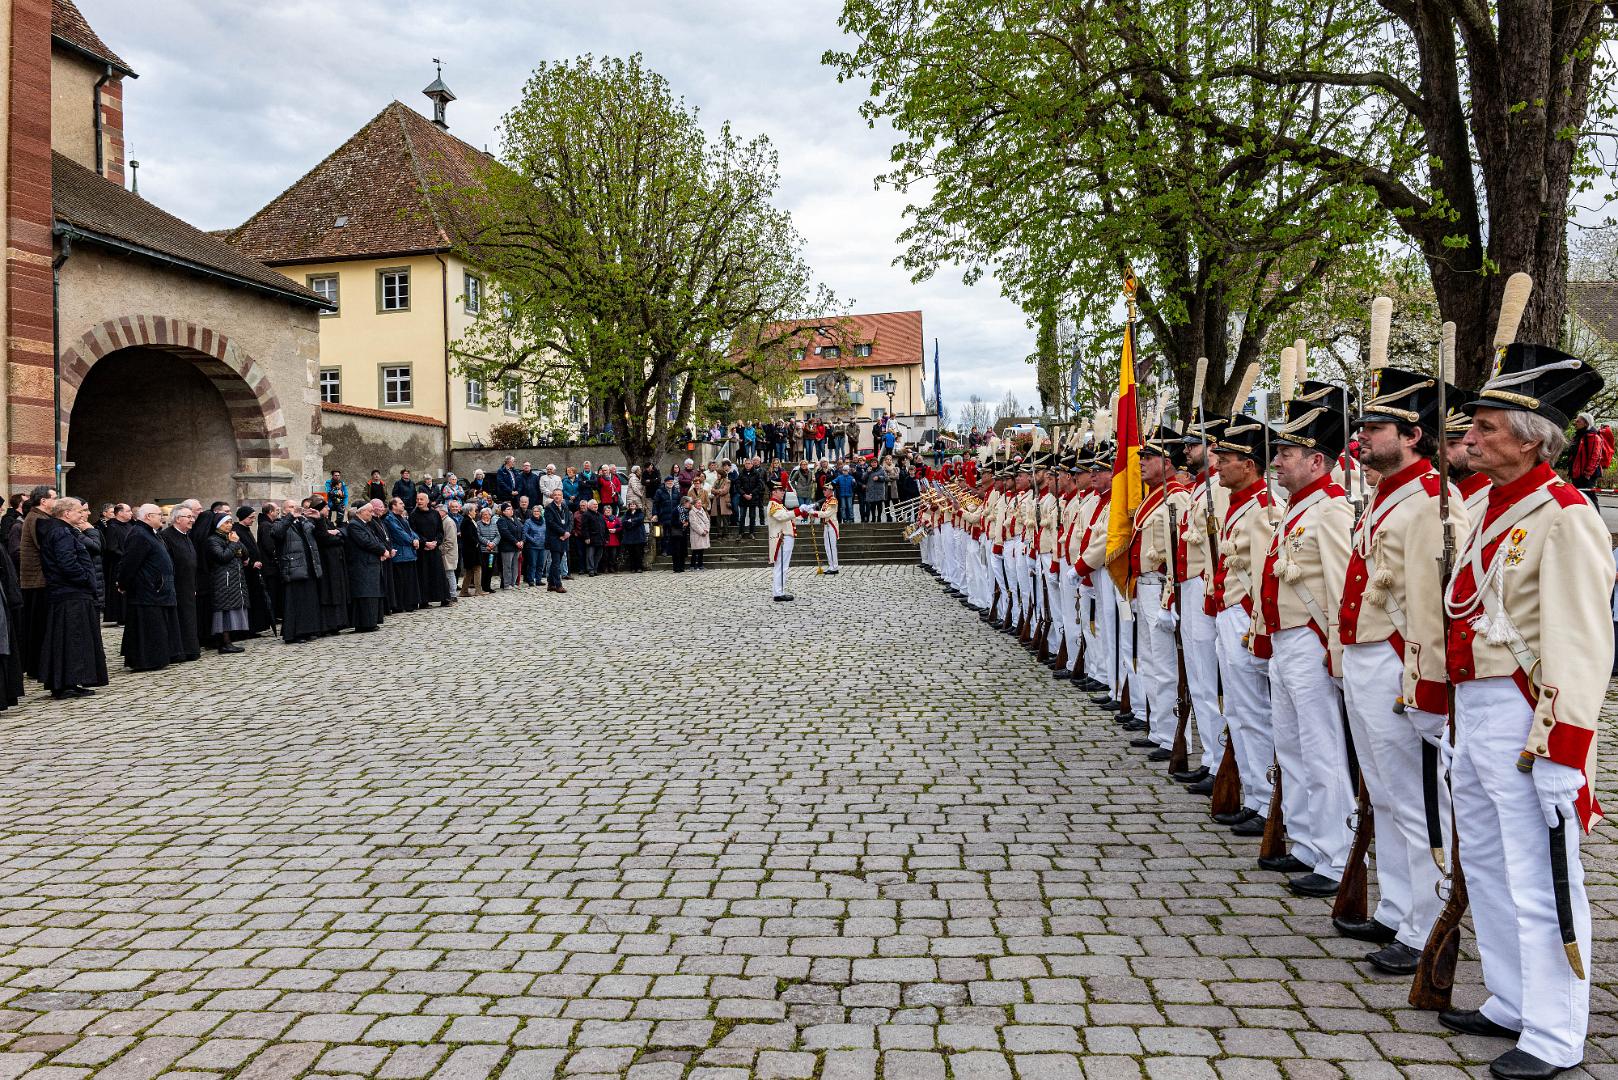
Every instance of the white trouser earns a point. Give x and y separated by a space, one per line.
1067 593
1036 583
1247 707
1200 634
1305 711
952 562
1107 627
1389 752
1505 851
1126 645
1016 578
982 578
828 536
1090 627
997 566
1045 585
783 557
1159 672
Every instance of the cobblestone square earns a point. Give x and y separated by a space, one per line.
662 827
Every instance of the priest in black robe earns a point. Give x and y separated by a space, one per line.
113 535
183 554
429 526
365 554
267 551
259 615
333 568
146 578
11 686
300 573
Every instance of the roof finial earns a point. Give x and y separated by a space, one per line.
439 94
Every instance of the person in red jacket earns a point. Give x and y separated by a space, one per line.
1589 454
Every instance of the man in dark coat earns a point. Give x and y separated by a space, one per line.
404 489
505 481
558 530
429 526
151 613
469 550
383 537
35 523
300 571
271 556
259 616
201 532
112 550
183 555
528 484
364 553
750 482
333 567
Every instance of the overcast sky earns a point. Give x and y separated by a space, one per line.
236 100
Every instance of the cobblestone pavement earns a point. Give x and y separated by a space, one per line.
877 841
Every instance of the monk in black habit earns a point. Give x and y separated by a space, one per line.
431 584
259 615
113 535
146 578
366 553
11 644
200 533
333 568
300 574
183 554
271 556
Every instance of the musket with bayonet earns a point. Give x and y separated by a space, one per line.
1227 788
1179 750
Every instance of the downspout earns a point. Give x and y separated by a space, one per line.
449 402
95 102
56 356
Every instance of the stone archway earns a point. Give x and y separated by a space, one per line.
256 424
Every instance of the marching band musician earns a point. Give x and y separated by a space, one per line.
827 516
1198 629
783 531
1303 573
1244 538
1152 547
1390 607
980 581
1527 606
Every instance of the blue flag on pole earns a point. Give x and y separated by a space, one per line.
938 395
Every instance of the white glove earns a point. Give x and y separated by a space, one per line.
1556 785
1087 591
1167 618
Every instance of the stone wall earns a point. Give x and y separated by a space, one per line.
357 443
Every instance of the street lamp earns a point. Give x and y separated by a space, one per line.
724 393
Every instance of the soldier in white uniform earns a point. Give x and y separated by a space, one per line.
1529 650
1199 532
1302 578
1244 538
783 532
1153 548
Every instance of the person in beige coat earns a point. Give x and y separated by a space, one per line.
450 548
701 531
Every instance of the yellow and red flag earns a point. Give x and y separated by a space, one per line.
1126 482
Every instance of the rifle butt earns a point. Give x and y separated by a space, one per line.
1353 892
1227 789
1274 844
1435 972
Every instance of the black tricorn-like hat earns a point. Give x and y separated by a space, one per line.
1164 442
1398 396
1328 394
1458 422
1538 379
1245 435
1315 425
1206 431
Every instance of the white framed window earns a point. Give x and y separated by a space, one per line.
797 354
575 412
393 289
809 387
876 414
862 350
831 352
472 287
331 386
474 393
396 386
325 287
512 397
881 384
852 384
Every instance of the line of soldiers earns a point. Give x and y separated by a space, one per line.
1330 673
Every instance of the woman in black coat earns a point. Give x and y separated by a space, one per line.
364 551
71 658
227 583
632 528
146 578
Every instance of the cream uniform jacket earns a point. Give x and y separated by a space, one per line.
1529 602
1050 516
1394 588
1244 538
1158 547
1199 553
1073 538
781 522
1306 565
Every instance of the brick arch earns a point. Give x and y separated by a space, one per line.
256 417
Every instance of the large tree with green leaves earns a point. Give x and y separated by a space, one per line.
1047 171
640 261
1471 123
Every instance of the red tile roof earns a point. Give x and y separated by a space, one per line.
95 207
894 336
381 180
381 414
70 28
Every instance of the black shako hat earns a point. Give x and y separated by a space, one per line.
1245 435
1315 425
1205 432
1538 379
1398 396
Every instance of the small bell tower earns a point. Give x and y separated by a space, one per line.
439 94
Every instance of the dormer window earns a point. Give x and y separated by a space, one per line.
862 350
830 352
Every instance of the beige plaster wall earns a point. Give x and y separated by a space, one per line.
73 82
276 341
358 444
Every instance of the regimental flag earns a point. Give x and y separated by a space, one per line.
1127 489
